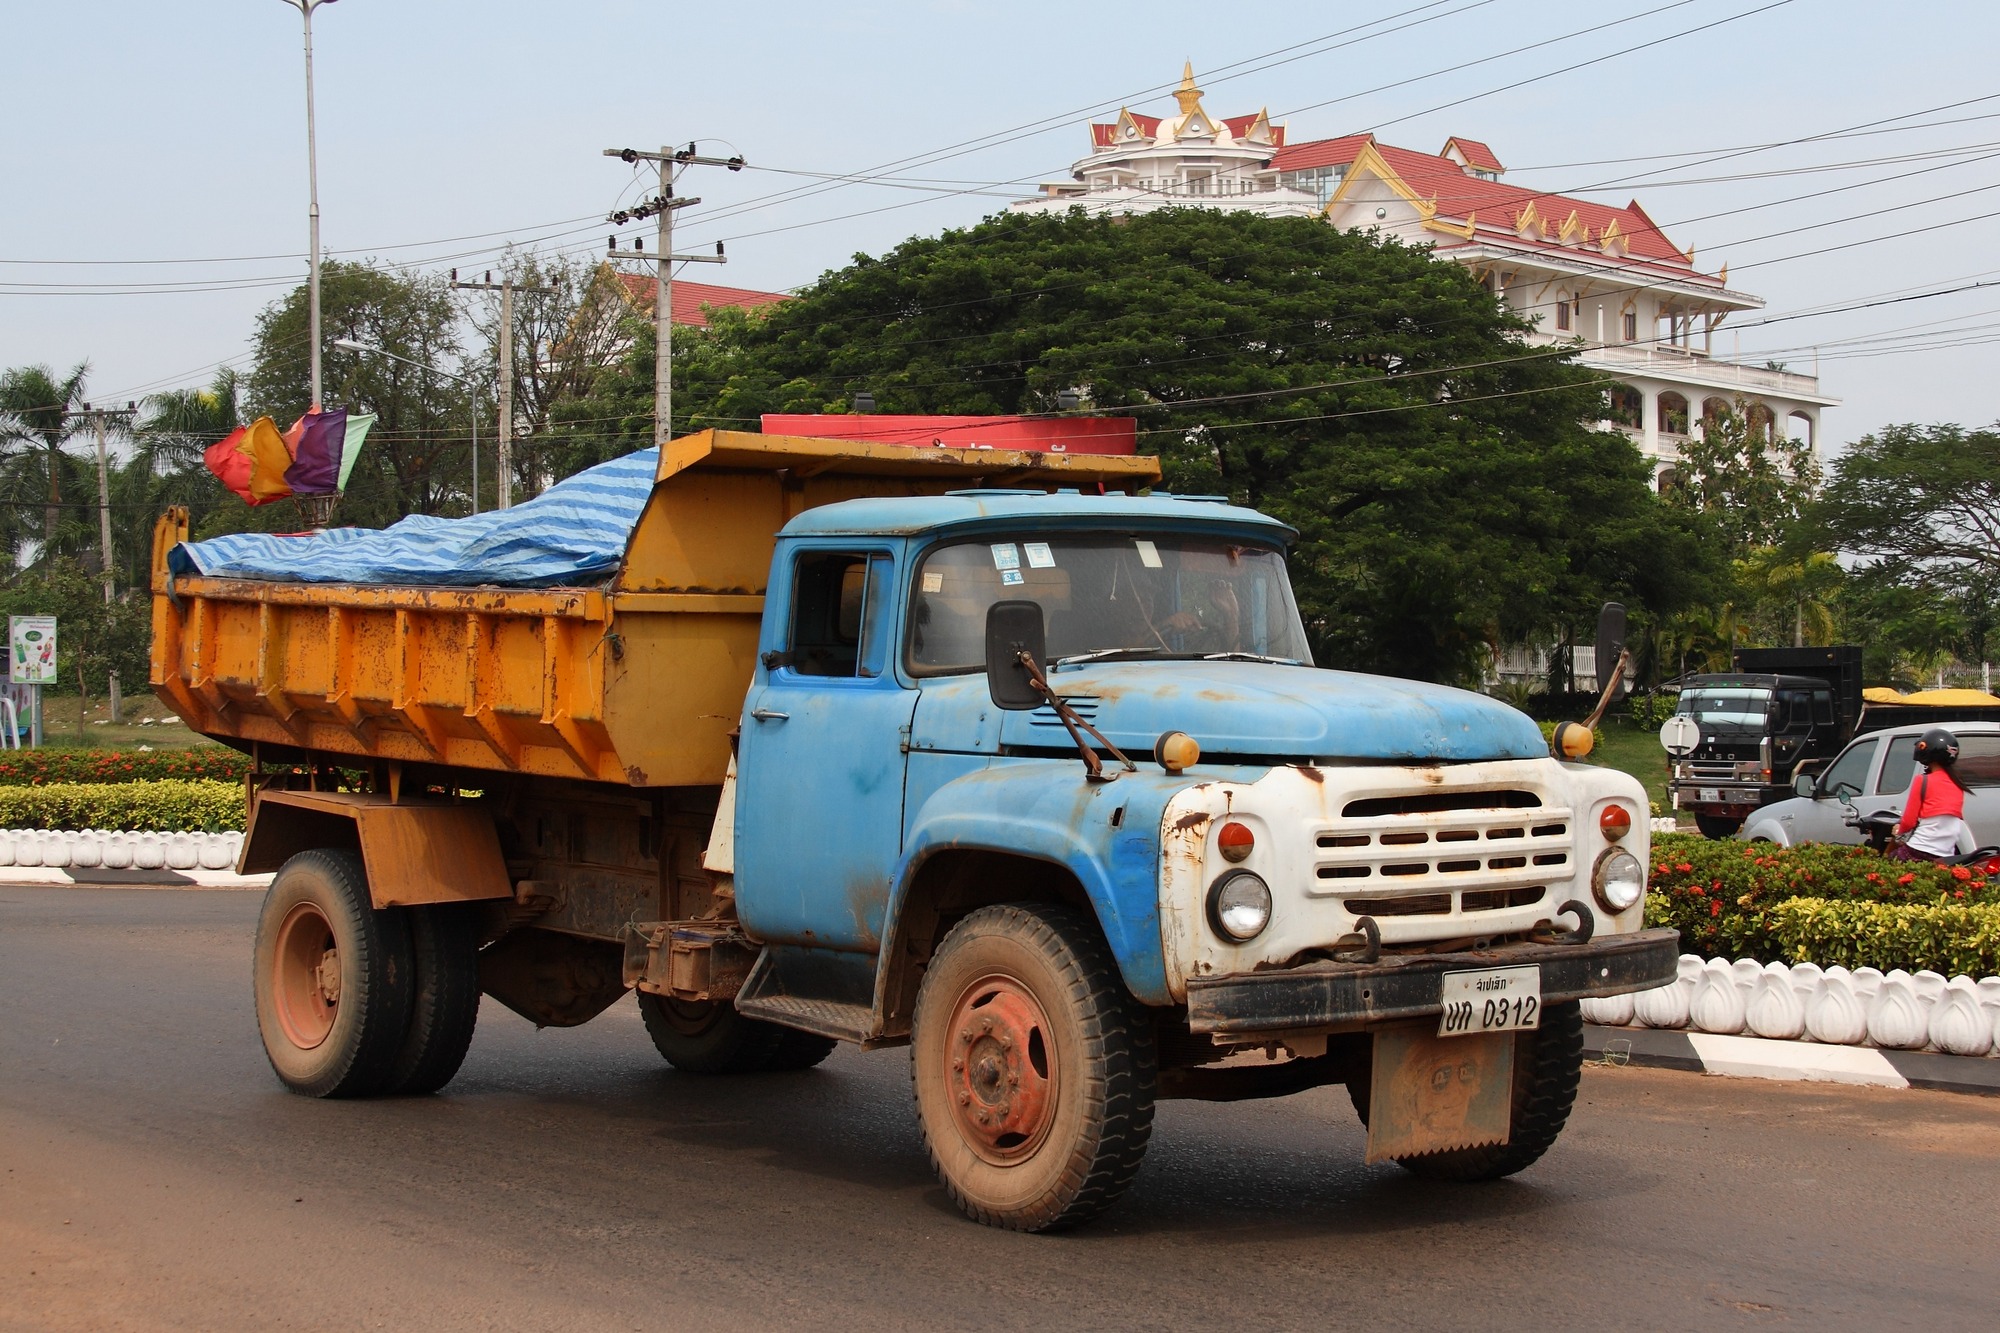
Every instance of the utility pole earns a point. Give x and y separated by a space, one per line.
504 489
101 417
664 206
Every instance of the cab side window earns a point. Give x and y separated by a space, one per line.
1823 707
838 610
1849 774
1899 766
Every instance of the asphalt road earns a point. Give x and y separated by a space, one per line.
156 1176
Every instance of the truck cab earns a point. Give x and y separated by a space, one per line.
1227 847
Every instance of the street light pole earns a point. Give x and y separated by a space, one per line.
305 8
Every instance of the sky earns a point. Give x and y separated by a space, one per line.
158 150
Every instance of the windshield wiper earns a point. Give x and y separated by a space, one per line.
1109 654
1250 657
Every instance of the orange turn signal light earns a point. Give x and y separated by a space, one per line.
1235 841
1176 751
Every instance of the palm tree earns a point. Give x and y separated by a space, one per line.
36 417
167 466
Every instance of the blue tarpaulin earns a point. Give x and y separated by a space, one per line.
573 533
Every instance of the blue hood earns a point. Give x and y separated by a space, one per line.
1258 709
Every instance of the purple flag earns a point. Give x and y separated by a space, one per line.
315 468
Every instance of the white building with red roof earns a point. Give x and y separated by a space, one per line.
1604 280
1141 163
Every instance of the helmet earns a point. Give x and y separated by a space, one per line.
1936 746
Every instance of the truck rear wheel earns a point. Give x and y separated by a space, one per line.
708 1037
1548 1066
1034 1073
444 1000
331 978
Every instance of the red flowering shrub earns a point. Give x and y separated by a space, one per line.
1721 895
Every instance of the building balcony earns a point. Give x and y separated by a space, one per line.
1684 366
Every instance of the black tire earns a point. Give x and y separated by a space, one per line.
444 1000
1718 827
331 978
706 1037
1548 1066
1034 1072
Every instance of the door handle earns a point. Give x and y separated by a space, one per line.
769 715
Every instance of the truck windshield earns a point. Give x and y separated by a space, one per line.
1726 708
1162 595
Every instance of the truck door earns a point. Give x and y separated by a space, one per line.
819 785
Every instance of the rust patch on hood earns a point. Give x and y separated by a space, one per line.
1192 819
1309 771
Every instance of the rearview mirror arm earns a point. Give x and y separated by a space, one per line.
1093 766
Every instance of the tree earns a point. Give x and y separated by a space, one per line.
1923 497
1448 496
1793 593
37 417
166 467
571 318
93 637
418 455
1750 481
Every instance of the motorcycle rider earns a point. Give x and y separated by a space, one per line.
1934 814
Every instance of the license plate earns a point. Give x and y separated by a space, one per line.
1709 795
1501 999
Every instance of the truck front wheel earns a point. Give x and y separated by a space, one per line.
1548 1066
1718 827
1033 1071
332 978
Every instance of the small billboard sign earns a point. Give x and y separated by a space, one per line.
32 655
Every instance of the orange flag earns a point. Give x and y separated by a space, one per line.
269 460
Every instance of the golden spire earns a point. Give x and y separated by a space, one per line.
1187 94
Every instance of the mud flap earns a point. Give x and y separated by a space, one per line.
1430 1094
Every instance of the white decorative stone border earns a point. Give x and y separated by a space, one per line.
1803 1002
90 849
1665 824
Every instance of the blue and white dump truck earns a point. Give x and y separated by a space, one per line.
983 753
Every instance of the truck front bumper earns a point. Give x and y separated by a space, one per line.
1347 995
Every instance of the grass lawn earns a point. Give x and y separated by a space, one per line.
167 732
1636 751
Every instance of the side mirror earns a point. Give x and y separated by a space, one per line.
1011 629
1806 785
1610 643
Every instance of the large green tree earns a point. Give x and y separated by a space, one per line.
1448 494
418 457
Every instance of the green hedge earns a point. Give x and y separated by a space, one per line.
1954 939
1723 896
34 768
167 806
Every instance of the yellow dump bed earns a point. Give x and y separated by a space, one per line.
638 681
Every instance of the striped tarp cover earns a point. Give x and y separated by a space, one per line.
573 533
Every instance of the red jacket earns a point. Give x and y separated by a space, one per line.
1935 792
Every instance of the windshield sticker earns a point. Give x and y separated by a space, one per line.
1149 554
1005 556
933 581
1039 555
1010 577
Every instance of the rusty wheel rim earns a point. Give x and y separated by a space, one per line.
1000 1070
305 977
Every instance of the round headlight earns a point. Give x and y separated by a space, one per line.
1619 881
1239 906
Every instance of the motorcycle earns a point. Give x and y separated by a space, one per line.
1878 830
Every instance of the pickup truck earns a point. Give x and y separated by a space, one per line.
1874 773
980 752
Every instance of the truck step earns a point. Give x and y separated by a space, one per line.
829 1018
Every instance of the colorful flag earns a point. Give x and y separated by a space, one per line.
230 461
316 452
357 431
269 461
